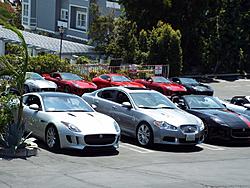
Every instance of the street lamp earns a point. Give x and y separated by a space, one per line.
61 31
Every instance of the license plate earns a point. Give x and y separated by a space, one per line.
190 137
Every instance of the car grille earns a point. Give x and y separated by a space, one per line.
188 128
241 133
100 139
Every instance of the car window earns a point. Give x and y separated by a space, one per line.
104 77
32 99
54 75
203 102
121 97
107 94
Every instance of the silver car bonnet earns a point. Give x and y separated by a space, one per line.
174 117
87 122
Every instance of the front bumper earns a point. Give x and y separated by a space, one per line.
80 141
178 137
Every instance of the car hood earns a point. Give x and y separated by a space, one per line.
176 117
225 116
128 84
83 84
88 122
41 83
174 87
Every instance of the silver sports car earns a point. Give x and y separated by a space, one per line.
34 82
64 120
147 115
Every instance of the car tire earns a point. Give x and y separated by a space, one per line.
144 135
52 138
206 133
26 89
67 89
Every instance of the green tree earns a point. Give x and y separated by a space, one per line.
165 47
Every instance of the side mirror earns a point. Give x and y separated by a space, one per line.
93 106
247 106
126 105
58 78
34 107
182 106
109 79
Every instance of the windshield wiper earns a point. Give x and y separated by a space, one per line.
79 110
166 107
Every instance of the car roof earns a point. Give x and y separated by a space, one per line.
130 89
113 74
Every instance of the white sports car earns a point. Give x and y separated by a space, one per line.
65 120
35 82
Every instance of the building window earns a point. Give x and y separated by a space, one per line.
25 9
81 20
64 14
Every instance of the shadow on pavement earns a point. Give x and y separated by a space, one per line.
86 152
164 147
229 144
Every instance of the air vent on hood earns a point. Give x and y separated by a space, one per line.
71 114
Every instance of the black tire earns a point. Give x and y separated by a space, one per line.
26 89
206 133
52 138
144 135
67 89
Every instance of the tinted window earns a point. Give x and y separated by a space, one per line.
32 99
107 94
104 77
121 97
70 76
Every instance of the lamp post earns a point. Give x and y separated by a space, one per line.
61 31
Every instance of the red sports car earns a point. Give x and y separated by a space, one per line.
163 85
108 80
70 83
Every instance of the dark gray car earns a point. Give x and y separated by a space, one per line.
147 115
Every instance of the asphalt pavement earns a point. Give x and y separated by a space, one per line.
203 166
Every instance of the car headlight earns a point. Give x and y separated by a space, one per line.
117 128
76 85
169 88
165 125
218 120
71 126
202 126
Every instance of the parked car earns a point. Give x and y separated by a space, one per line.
109 80
147 115
64 120
70 83
245 109
193 87
221 123
163 85
240 100
34 82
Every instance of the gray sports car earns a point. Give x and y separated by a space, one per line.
35 82
147 115
64 120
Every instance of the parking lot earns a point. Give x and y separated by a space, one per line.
206 165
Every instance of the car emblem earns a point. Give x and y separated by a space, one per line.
100 136
189 129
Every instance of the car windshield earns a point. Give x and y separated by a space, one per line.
120 79
188 81
70 76
161 80
151 100
65 104
33 76
203 102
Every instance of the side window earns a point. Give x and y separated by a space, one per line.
32 99
104 77
107 94
121 97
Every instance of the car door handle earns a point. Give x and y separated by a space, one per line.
42 121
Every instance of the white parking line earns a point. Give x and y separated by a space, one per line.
211 147
135 148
